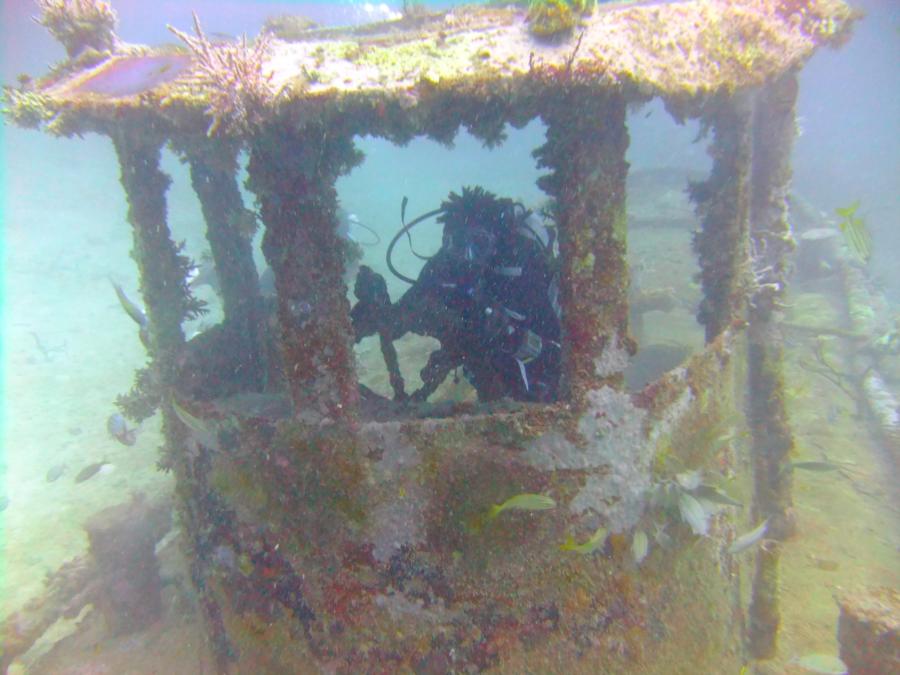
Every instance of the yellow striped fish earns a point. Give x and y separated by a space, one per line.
855 232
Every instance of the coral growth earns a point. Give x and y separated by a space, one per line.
144 397
237 90
79 24
551 18
29 109
190 306
722 203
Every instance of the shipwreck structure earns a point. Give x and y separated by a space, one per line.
324 534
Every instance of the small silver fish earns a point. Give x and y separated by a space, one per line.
89 471
745 541
136 313
54 472
118 429
714 494
693 513
814 465
204 432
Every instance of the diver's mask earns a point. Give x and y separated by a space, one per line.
472 245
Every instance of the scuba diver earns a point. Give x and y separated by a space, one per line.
488 296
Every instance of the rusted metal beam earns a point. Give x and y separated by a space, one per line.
293 175
160 270
772 439
229 230
723 206
230 226
585 151
168 301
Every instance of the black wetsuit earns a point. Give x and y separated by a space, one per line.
483 316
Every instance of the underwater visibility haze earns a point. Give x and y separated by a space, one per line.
552 336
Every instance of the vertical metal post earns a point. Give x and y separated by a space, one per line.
723 205
293 175
213 166
585 151
167 300
772 439
160 272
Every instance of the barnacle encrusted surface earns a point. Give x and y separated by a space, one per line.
395 523
615 447
682 51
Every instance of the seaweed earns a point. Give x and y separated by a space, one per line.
143 398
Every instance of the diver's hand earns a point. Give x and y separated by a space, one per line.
371 311
370 287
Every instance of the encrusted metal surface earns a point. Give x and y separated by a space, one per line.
682 51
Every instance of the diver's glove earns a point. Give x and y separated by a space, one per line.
368 314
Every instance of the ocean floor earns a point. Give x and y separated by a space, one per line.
69 350
848 521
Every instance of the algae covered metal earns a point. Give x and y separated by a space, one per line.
326 534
